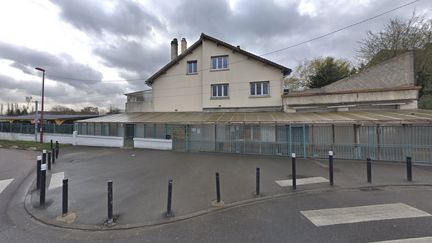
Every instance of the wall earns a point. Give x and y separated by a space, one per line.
99 141
172 91
139 106
151 143
403 96
242 70
61 138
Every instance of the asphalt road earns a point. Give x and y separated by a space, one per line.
277 220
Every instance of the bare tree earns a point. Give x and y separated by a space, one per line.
397 35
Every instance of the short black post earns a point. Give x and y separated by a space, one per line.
293 172
110 202
53 157
169 211
51 144
65 197
257 190
44 155
409 168
42 184
331 167
49 160
369 170
38 171
218 197
57 149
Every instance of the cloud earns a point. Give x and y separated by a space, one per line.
133 59
15 91
127 18
59 68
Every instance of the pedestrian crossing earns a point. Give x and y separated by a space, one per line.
56 180
334 216
410 240
302 181
4 184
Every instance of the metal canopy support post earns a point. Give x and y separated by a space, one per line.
304 141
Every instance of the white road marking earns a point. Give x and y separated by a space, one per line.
332 216
56 180
4 184
302 181
410 240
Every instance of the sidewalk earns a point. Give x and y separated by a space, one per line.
140 181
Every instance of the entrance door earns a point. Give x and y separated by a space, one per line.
129 135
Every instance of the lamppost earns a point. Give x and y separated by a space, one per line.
42 105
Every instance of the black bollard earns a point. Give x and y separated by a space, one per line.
218 197
331 167
49 160
42 184
51 144
53 157
369 170
110 202
409 168
44 156
257 190
38 171
57 149
169 211
293 172
65 197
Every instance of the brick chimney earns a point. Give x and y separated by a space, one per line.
174 48
183 45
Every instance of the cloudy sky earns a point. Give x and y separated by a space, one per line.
94 51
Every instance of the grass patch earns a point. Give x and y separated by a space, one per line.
27 144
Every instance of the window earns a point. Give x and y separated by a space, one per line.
219 62
192 67
259 88
219 90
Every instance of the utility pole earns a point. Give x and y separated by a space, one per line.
36 120
42 105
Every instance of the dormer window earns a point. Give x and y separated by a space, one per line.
219 62
192 67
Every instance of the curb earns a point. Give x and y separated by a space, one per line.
37 215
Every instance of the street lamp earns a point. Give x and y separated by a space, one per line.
42 105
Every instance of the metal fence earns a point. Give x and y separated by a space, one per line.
389 143
30 128
379 142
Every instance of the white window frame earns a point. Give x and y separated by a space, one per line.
223 64
220 91
191 62
259 85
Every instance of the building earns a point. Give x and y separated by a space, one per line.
387 85
220 98
212 75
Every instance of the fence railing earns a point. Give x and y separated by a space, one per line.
30 128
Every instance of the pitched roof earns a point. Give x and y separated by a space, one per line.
150 80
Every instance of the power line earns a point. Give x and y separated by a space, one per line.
261 55
341 29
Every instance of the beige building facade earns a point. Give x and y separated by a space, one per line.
212 75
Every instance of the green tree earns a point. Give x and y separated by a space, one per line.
319 72
327 71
